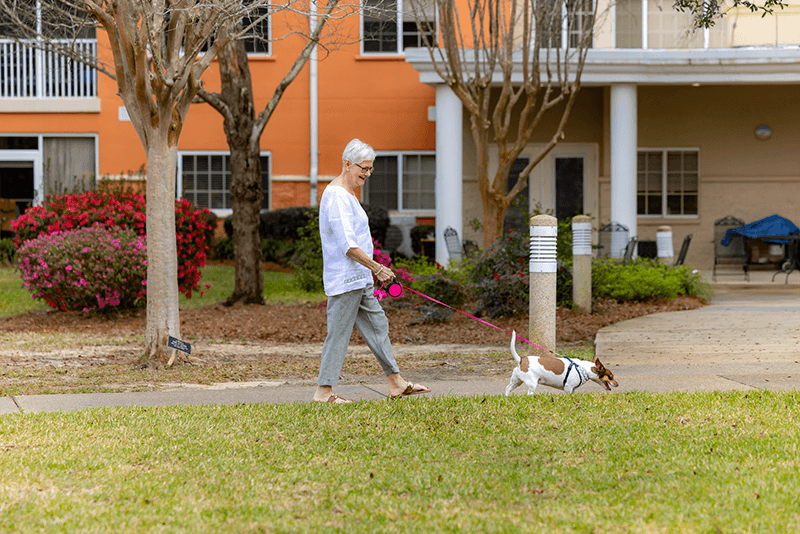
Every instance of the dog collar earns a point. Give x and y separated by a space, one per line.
582 376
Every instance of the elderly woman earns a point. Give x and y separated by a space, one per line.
347 277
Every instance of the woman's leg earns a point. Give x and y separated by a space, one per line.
341 313
373 326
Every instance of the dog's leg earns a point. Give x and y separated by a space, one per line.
515 383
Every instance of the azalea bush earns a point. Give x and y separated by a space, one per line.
98 267
125 209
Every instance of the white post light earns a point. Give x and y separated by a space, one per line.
664 244
543 266
582 263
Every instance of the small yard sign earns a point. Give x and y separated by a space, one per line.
177 344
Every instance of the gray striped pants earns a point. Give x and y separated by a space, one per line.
361 309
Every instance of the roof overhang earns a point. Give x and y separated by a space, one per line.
722 66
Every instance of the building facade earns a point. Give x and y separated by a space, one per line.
671 127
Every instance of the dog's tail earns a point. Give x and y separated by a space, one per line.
513 349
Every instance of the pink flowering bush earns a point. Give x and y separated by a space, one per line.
125 209
86 269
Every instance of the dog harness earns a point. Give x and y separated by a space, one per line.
582 376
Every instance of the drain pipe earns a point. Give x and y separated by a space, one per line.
314 112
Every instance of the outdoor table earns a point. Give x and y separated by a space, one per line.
794 261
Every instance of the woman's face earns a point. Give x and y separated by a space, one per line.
361 171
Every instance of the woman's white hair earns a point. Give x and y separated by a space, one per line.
357 151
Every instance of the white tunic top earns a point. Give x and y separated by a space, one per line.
343 224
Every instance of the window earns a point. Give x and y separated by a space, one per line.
206 180
667 182
567 21
402 182
257 34
257 39
390 26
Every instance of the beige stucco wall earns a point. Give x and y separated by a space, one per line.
739 174
585 126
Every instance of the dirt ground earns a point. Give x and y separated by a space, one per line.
287 324
68 352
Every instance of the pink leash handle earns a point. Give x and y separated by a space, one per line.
480 320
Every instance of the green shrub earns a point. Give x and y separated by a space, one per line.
280 252
643 279
7 250
223 249
309 248
442 287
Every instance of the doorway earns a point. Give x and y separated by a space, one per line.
17 192
569 181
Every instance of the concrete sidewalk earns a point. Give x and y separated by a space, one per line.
748 338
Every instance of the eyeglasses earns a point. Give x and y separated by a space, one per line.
367 170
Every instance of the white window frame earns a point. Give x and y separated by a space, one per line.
400 51
399 154
37 158
664 152
268 53
225 212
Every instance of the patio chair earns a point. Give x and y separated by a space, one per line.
629 248
735 254
453 244
684 249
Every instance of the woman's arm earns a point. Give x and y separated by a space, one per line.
381 272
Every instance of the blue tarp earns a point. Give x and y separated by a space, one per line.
772 225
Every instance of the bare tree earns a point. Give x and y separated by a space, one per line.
509 62
243 130
157 55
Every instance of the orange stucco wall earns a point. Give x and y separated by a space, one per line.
379 100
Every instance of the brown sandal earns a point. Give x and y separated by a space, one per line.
412 389
334 399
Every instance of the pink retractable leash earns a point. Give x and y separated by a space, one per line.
395 290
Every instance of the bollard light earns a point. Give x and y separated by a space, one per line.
664 242
543 249
581 238
543 281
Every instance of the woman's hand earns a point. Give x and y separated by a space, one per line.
381 272
384 274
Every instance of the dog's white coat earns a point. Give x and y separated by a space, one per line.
537 374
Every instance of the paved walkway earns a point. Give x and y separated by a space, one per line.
748 338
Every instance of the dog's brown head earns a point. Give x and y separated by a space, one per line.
604 376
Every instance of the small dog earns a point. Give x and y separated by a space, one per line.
561 373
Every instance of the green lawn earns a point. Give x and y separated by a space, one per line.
633 462
14 298
278 287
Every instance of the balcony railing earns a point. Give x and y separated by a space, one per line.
29 72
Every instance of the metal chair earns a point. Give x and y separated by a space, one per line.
684 249
735 254
453 244
629 248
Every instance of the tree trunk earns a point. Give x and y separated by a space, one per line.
246 194
163 317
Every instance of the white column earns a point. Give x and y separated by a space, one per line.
449 176
623 156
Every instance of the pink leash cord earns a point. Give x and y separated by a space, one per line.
480 320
